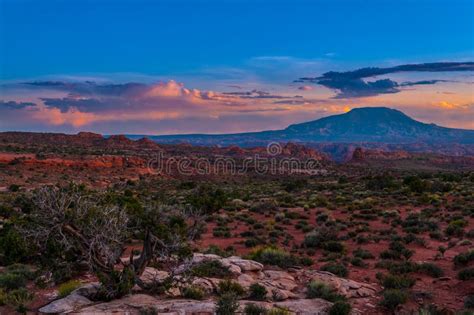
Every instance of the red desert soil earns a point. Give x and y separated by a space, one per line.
446 291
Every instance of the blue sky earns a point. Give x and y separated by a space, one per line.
214 45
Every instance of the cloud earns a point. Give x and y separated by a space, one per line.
351 84
257 94
453 105
79 104
15 105
305 88
423 82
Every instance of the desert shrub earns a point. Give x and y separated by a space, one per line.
317 289
227 304
320 200
397 267
456 227
147 311
264 205
3 297
13 248
278 311
251 242
229 286
392 298
274 256
416 184
207 198
22 270
469 301
391 281
210 268
430 269
466 274
18 298
253 309
337 269
362 253
415 223
14 188
358 262
340 308
115 284
67 287
463 259
396 251
334 246
319 237
257 292
306 261
193 292
381 182
12 281
221 231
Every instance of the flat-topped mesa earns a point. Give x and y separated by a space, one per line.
89 135
119 140
147 143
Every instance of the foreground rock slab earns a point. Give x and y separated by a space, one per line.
132 304
66 305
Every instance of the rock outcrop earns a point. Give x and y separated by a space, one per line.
285 289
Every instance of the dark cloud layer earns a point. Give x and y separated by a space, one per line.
351 84
15 105
255 94
91 88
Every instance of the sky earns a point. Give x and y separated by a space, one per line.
170 67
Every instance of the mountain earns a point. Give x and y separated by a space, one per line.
361 125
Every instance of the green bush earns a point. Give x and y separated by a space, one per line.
317 289
392 298
463 259
18 298
278 311
337 269
12 281
193 292
362 253
67 287
13 247
397 282
115 284
466 274
334 246
257 292
229 286
211 268
469 301
431 270
274 256
319 237
358 262
22 270
340 308
3 297
456 228
253 309
227 304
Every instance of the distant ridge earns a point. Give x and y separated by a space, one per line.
366 124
